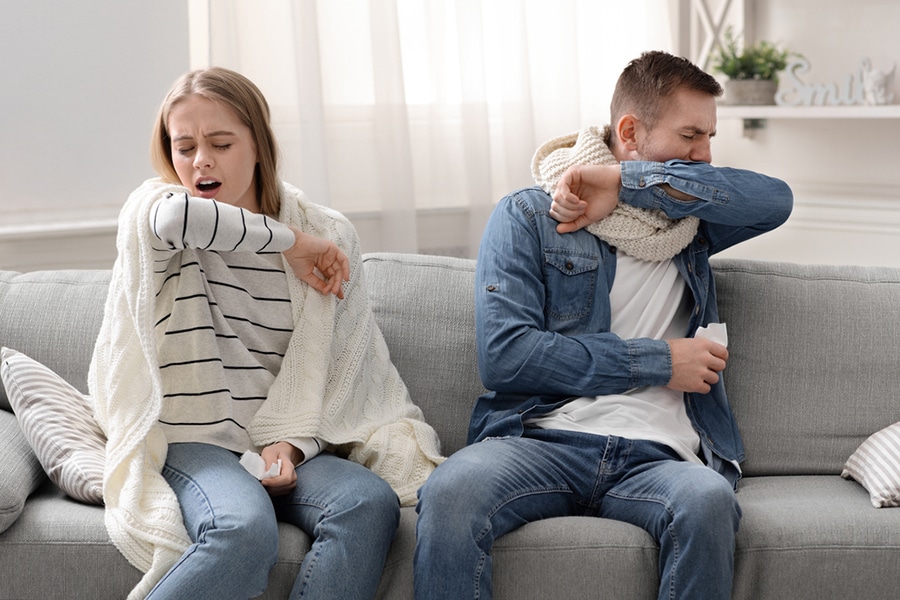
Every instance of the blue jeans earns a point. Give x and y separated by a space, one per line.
351 514
492 487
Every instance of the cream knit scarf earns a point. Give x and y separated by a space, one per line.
336 383
641 233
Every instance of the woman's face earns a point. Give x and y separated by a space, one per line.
213 152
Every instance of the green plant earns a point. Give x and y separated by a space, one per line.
762 60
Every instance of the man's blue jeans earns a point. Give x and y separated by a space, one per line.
351 513
492 487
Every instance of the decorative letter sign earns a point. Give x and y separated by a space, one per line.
869 86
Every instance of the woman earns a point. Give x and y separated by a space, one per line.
238 320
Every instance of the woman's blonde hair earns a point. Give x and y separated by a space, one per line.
242 95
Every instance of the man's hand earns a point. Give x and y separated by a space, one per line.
290 457
318 262
696 364
585 194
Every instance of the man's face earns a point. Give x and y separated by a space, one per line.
684 129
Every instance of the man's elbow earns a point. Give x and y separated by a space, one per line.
495 378
784 204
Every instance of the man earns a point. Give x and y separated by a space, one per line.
605 400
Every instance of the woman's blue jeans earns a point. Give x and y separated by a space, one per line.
351 514
497 485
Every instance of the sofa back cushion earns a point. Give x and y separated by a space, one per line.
53 317
425 306
814 365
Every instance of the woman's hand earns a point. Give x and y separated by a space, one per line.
318 262
585 194
290 457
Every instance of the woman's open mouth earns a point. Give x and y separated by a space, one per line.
207 186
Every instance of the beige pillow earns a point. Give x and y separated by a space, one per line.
876 466
58 423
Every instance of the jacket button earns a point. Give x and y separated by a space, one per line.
569 266
491 288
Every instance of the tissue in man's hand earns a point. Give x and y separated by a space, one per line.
256 466
715 332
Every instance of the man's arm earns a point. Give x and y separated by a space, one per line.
734 204
518 349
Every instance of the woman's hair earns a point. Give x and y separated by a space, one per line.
648 80
248 103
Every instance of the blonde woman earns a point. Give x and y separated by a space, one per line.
238 322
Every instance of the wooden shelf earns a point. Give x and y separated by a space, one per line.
889 111
755 117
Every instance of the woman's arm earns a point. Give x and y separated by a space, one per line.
180 221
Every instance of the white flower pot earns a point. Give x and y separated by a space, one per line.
750 91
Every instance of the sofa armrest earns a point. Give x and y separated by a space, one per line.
20 471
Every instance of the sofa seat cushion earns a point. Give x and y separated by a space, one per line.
576 557
811 537
69 538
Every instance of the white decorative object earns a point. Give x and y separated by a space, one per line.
878 86
868 86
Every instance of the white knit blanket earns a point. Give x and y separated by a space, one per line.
640 233
336 383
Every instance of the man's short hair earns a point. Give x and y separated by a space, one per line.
651 78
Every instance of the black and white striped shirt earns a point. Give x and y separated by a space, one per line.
223 317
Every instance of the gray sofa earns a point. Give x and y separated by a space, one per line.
814 370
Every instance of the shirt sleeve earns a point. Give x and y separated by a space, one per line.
179 221
310 447
734 204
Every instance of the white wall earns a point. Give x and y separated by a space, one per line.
81 82
843 171
79 86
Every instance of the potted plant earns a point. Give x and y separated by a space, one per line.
752 71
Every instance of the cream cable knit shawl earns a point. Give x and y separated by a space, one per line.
336 383
643 234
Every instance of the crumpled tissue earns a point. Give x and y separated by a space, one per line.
256 466
715 332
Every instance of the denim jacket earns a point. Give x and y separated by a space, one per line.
542 301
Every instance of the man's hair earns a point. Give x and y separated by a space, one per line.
650 79
241 95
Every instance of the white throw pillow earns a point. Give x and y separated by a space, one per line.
876 466
58 423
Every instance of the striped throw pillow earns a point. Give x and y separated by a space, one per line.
58 423
876 466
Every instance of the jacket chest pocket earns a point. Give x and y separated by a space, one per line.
571 282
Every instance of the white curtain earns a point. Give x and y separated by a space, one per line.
413 117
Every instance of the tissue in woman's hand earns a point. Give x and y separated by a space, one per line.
256 466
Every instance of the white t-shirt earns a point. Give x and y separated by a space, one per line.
647 300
